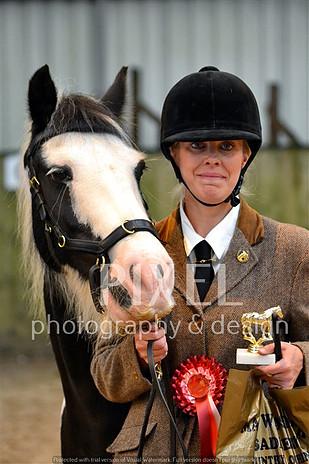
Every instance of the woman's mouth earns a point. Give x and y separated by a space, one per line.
211 175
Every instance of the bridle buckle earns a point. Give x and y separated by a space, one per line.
61 241
128 231
101 261
158 370
34 183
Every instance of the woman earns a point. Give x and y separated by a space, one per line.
210 133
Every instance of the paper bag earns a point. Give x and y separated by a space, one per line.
263 430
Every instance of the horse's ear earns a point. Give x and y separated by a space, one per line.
114 98
42 99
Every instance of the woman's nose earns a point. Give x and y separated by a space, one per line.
212 158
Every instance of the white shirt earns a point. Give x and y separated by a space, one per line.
219 237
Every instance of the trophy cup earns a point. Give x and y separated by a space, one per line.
264 322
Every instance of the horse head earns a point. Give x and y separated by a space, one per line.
84 175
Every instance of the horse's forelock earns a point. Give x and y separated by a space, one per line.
80 113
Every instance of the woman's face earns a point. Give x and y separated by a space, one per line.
211 169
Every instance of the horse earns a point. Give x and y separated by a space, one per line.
82 219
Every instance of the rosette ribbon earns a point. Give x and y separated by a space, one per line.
198 388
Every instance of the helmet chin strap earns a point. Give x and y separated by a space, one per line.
232 198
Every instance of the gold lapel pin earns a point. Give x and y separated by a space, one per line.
242 256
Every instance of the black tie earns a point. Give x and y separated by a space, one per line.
203 270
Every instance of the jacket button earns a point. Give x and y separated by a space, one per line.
242 256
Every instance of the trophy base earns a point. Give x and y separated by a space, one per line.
243 356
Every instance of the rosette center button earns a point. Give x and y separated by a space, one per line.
198 386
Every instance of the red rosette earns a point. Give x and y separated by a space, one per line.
195 379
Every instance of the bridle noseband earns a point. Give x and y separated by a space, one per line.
55 237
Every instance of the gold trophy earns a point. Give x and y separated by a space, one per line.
263 322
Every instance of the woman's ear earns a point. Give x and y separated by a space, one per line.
174 151
245 158
246 153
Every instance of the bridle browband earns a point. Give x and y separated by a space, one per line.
55 237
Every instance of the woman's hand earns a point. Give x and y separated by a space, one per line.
159 346
284 373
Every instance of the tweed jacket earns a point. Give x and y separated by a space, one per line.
276 273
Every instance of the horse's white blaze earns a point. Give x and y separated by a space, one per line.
104 194
103 191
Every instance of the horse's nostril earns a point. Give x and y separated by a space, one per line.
160 272
121 295
131 271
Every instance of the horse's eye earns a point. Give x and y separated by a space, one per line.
138 171
61 175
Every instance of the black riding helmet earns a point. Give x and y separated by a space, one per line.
211 105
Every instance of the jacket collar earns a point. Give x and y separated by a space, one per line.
249 232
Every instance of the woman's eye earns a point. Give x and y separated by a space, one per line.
197 145
226 146
60 175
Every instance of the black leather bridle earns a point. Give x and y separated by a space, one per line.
55 237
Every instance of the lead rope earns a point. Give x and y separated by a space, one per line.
156 377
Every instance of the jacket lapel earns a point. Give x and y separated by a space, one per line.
232 271
171 233
175 248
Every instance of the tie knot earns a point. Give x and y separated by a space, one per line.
202 251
